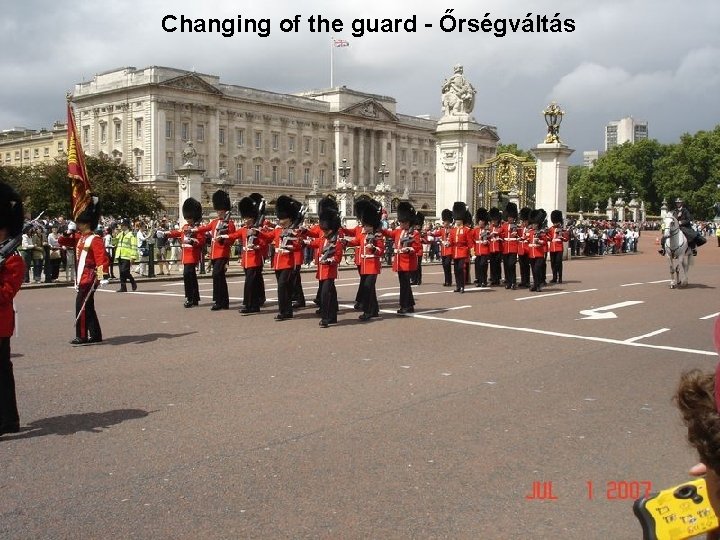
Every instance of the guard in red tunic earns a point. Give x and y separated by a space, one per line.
406 245
445 250
254 244
220 228
510 235
12 272
418 223
328 254
481 247
461 241
495 246
286 243
369 249
192 244
523 259
558 235
92 264
536 238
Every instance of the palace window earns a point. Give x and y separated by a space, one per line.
403 155
239 137
201 162
60 146
138 166
138 128
275 141
306 176
36 153
200 132
322 147
414 157
258 140
46 151
258 173
86 134
185 131
118 131
103 133
17 155
239 173
169 164
221 136
274 174
291 143
168 129
306 145
426 157
322 177
291 175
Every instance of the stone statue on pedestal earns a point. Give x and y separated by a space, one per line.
189 154
458 95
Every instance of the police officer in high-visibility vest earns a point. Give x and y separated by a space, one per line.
125 255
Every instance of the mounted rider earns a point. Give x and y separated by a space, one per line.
682 214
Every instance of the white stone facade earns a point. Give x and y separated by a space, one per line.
252 140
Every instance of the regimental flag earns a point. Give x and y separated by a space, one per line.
341 43
76 168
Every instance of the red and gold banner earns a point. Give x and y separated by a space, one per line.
76 168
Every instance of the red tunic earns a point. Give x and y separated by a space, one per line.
12 274
192 243
251 258
285 249
219 248
509 235
536 243
328 267
481 241
96 258
369 255
557 237
495 239
405 261
522 243
461 241
444 235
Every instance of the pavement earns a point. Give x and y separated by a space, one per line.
491 414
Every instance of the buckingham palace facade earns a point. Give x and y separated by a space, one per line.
254 140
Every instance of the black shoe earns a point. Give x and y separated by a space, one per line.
553 280
121 290
79 341
318 312
694 252
297 305
281 317
401 311
447 284
216 307
134 287
248 311
513 287
9 428
189 304
559 281
375 315
365 317
539 289
533 289
507 286
357 306
324 323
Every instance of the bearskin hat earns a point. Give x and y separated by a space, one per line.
481 214
524 213
11 210
192 210
368 211
287 208
556 216
91 214
447 215
494 214
221 200
257 197
458 210
329 219
405 211
511 210
538 216
248 207
419 220
326 202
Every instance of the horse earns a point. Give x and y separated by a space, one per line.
677 250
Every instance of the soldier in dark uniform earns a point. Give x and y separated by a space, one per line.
682 214
445 250
219 228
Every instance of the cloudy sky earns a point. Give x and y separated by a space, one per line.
655 60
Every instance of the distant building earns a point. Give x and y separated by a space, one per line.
590 157
22 146
624 130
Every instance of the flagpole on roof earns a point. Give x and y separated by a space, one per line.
332 47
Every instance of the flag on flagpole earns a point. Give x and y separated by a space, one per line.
341 43
76 170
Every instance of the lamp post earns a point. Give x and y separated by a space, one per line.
581 204
553 118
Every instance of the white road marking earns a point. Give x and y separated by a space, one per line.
649 334
660 281
597 313
559 334
711 316
631 284
553 294
441 310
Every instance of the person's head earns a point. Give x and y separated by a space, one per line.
124 224
221 203
192 211
679 203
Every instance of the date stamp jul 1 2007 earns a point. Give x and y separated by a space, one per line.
621 490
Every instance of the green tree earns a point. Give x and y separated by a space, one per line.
514 149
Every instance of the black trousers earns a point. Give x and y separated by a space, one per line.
328 300
9 417
192 291
416 278
284 290
368 294
459 265
125 274
358 294
538 271
406 296
220 288
297 295
524 262
87 324
254 287
447 269
481 269
556 264
495 268
509 260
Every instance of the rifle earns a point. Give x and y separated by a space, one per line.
329 250
10 245
288 235
251 237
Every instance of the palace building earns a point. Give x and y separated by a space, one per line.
254 140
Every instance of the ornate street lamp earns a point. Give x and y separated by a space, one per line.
581 204
553 118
